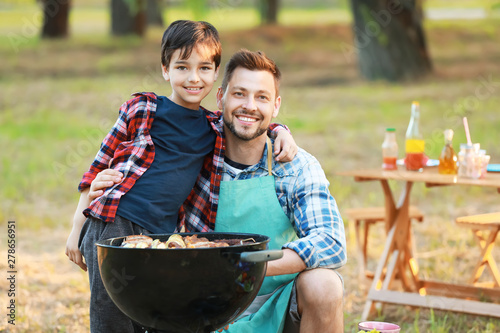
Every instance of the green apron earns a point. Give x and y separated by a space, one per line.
251 206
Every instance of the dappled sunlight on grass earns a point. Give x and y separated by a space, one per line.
52 293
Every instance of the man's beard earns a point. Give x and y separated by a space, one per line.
243 136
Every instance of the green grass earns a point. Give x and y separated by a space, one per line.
59 99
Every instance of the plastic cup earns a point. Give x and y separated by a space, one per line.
380 326
484 166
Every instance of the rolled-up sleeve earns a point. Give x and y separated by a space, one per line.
317 219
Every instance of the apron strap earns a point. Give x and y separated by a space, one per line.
269 156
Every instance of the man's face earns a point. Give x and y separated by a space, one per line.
191 79
249 103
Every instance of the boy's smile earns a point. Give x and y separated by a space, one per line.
191 79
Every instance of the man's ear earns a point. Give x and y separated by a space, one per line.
220 96
277 105
164 72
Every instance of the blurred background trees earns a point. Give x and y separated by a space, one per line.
55 18
269 11
128 17
154 10
388 37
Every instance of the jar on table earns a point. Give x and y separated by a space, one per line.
468 164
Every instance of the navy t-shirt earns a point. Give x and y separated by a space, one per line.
182 138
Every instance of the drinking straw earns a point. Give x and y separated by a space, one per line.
467 133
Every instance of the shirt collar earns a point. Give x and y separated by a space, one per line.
278 169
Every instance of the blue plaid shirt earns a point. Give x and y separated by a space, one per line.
302 190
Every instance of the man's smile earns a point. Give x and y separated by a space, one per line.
246 119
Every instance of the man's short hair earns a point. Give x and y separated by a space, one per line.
185 35
254 61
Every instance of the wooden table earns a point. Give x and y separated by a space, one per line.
397 260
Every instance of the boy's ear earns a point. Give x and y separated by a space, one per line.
164 72
220 95
216 73
277 105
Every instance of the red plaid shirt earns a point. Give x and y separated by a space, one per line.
128 147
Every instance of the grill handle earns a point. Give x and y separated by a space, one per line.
261 256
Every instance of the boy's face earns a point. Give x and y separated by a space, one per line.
249 103
191 79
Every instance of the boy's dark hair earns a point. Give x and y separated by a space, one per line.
185 35
251 61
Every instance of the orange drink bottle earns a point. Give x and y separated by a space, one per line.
390 150
415 144
448 159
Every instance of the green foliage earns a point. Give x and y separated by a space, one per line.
439 325
199 8
134 6
415 322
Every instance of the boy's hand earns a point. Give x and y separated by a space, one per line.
285 147
72 250
103 180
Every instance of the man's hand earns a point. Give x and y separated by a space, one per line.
103 180
285 147
225 327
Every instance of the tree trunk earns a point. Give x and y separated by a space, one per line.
55 18
269 11
389 39
154 13
128 17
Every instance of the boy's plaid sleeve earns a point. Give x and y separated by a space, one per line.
274 128
116 135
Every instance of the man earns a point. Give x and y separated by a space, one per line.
289 202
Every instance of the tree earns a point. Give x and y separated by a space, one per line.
153 13
389 39
269 11
128 17
55 18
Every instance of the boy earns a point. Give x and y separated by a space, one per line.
159 144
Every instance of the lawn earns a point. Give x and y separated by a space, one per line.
59 99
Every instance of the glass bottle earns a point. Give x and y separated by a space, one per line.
390 150
448 158
414 145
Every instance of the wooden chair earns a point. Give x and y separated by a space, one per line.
365 217
485 228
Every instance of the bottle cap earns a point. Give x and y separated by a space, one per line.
448 134
415 107
390 129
